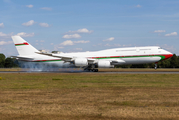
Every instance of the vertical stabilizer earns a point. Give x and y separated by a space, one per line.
23 47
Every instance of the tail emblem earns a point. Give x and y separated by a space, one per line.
25 43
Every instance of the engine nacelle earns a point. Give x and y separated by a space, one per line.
81 62
104 64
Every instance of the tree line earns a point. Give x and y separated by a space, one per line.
7 62
173 62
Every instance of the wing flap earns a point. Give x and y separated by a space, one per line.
64 58
117 61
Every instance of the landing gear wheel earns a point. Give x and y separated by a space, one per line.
90 69
93 70
96 70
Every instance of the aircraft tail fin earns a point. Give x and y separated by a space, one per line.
23 47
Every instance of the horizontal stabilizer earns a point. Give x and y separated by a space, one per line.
23 58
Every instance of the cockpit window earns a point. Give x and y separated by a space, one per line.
159 48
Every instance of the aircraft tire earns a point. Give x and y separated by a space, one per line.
95 70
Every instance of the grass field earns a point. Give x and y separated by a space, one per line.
88 96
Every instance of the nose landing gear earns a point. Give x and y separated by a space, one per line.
155 66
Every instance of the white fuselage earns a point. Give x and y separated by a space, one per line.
132 55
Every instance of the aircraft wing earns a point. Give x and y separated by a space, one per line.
64 58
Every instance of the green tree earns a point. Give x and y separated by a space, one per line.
8 63
178 61
165 64
151 65
174 61
122 66
139 66
2 60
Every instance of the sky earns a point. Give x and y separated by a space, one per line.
89 25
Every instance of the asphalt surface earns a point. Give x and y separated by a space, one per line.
140 72
131 72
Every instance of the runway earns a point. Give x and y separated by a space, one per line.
82 72
140 72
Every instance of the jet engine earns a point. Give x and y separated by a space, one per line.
104 64
81 62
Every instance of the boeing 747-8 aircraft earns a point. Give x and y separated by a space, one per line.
92 60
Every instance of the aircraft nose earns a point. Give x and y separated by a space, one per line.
168 56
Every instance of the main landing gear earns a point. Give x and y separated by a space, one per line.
91 68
